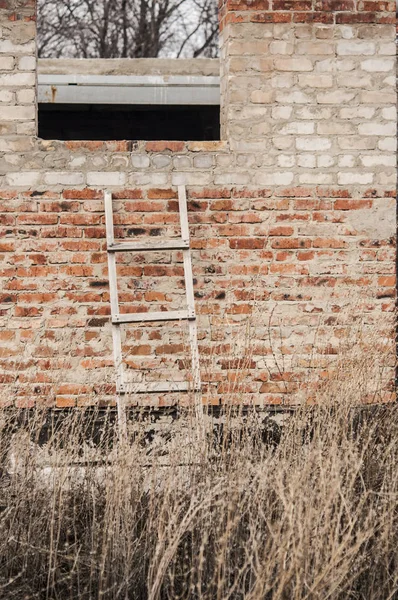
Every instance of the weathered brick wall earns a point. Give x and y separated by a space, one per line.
292 215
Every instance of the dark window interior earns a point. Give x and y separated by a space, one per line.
121 122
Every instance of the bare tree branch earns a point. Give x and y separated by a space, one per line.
127 28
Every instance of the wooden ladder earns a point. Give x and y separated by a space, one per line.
124 387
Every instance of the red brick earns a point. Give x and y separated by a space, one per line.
293 5
132 194
387 281
352 204
60 206
329 243
85 194
37 219
232 18
210 193
313 17
247 4
376 6
248 243
281 231
335 5
170 349
163 146
332 193
271 17
91 146
291 243
65 401
161 194
142 350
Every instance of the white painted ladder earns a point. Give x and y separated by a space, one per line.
122 386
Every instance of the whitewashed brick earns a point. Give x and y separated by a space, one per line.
354 178
140 161
313 144
387 49
387 144
334 65
64 178
347 160
256 48
313 112
377 65
77 161
354 142
27 63
354 81
260 129
389 113
315 48
183 162
386 160
325 160
316 81
355 48
357 112
334 128
335 97
262 96
106 178
6 96
203 161
298 127
161 162
8 47
316 178
323 32
385 178
145 178
17 79
26 128
377 97
307 161
347 32
195 178
293 98
286 160
24 178
26 96
17 113
226 178
281 112
389 80
6 63
280 31
281 47
303 31
283 142
282 80
281 178
293 64
375 128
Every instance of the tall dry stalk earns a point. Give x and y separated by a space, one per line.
228 513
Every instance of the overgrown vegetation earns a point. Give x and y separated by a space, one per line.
238 507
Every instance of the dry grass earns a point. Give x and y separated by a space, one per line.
209 513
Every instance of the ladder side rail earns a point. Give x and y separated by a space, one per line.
193 338
114 300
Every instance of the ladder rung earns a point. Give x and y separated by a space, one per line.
177 244
150 387
169 315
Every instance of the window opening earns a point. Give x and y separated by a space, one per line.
151 99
